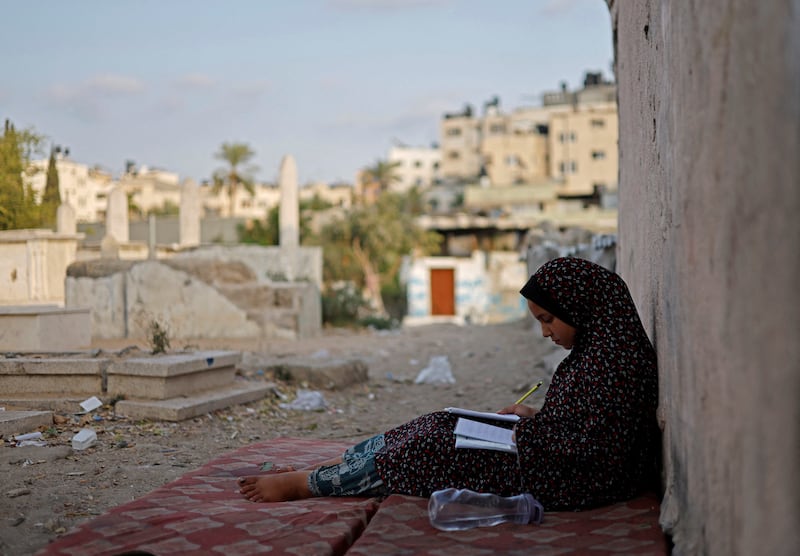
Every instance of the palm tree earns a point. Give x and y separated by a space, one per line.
236 155
383 173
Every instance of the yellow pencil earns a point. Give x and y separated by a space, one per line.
529 392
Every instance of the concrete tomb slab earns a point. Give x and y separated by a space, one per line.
21 422
178 409
169 376
44 328
32 376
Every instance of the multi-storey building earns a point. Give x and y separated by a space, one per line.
571 139
337 194
415 166
514 147
583 138
84 189
150 189
460 143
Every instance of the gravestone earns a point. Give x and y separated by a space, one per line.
289 209
117 215
189 214
65 220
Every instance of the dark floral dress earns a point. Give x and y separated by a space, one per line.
594 442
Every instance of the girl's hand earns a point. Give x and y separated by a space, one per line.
519 409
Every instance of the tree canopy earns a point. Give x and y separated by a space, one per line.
237 155
368 244
18 208
383 173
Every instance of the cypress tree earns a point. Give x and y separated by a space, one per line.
52 196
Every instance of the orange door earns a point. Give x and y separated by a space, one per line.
443 291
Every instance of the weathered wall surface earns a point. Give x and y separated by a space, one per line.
709 241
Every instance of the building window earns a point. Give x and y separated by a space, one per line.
436 165
562 168
598 123
572 136
453 155
573 166
598 155
454 132
417 164
497 129
562 137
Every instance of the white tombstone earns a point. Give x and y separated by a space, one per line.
117 215
65 220
289 210
189 214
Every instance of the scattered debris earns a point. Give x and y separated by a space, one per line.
84 439
306 400
18 492
91 404
30 439
437 372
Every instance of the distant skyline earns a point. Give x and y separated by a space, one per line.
333 82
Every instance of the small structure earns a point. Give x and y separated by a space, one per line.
480 289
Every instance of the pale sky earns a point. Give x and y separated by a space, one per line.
333 82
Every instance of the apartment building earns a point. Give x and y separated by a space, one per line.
571 139
150 189
337 194
460 144
416 166
583 138
514 147
85 189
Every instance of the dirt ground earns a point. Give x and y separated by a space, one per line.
46 491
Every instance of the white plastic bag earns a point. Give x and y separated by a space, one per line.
437 372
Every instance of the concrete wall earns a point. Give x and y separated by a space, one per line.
709 241
210 292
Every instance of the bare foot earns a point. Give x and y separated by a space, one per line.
279 487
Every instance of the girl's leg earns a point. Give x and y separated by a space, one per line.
352 474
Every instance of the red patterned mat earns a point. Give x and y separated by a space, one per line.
401 526
203 513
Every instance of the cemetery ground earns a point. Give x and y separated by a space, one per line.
48 490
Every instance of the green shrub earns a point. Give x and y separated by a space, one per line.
379 323
157 337
341 306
